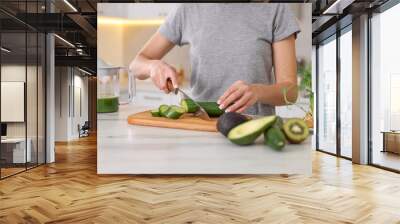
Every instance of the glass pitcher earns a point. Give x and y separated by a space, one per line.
115 86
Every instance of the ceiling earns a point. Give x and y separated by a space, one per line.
76 22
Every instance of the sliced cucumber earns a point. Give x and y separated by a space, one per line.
189 105
175 112
163 109
212 108
248 132
155 113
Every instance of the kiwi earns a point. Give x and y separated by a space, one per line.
296 130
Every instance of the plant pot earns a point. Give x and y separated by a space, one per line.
309 120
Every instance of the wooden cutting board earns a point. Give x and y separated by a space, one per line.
187 121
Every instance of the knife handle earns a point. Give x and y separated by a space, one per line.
170 87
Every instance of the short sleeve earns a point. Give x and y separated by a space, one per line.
173 26
285 24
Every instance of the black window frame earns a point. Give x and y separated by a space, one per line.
341 27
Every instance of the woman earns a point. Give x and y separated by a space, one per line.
233 48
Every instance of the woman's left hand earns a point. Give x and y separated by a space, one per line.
238 97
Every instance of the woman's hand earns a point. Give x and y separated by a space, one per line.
148 64
238 97
160 72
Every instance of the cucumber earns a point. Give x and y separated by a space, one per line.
163 109
248 132
189 105
155 113
212 108
175 112
275 138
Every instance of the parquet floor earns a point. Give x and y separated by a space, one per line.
69 191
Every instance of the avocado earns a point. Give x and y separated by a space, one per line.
247 132
274 138
296 130
278 123
228 121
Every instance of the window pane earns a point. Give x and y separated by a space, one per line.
327 97
385 86
346 94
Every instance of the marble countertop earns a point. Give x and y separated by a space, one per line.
129 149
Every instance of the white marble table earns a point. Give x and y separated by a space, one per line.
129 149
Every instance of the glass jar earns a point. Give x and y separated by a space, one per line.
115 86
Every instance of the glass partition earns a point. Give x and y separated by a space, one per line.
346 93
385 89
327 96
22 78
13 92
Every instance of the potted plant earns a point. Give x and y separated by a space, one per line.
304 72
305 88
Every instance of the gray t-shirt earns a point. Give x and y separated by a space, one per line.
229 42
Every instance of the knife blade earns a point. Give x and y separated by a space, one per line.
200 112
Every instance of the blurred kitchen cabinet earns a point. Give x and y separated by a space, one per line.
137 11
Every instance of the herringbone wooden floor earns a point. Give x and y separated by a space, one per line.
69 191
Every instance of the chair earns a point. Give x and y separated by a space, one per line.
84 130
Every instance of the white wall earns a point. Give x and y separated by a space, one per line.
80 110
302 12
67 114
119 43
62 80
17 73
33 126
110 44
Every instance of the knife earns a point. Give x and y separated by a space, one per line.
200 112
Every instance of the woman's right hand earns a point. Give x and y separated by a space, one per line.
160 72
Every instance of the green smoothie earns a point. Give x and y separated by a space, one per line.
107 105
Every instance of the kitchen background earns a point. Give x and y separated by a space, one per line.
123 29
